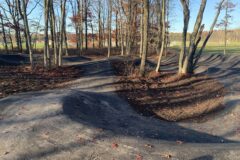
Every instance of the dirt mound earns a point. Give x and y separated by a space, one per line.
168 96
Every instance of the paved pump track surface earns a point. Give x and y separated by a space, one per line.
88 120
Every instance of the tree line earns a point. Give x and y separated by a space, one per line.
126 23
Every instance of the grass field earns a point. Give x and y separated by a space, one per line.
211 48
38 46
214 47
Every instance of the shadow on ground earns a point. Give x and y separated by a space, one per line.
106 111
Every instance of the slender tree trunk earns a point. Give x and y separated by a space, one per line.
65 40
116 34
182 55
86 24
99 25
46 39
4 34
122 39
81 27
145 41
109 28
129 29
20 42
225 27
92 35
209 33
141 30
167 34
63 6
54 38
121 28
163 35
188 61
27 31
10 38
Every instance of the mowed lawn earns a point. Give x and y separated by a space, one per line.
35 46
211 48
214 47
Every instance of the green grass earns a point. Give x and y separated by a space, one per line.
214 47
38 46
211 48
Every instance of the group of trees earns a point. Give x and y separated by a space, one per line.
128 23
189 55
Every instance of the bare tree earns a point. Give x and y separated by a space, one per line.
229 7
141 29
22 6
163 45
86 23
4 33
109 27
46 39
188 57
145 37
53 32
62 26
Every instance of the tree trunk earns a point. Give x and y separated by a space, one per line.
63 6
121 28
225 27
109 28
99 25
27 32
141 30
92 35
163 35
65 40
145 40
54 36
116 34
129 28
10 38
209 33
86 24
186 17
4 33
46 40
188 67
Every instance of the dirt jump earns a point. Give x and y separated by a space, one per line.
88 120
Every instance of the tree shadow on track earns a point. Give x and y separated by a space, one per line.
107 111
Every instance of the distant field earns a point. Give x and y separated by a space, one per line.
211 48
38 46
214 47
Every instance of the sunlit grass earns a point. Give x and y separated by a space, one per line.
213 47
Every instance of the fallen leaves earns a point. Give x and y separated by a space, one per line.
171 97
17 79
168 156
45 135
114 145
5 153
238 131
149 146
179 142
139 157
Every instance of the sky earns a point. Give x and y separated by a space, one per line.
176 15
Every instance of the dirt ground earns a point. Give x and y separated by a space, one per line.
168 96
17 79
88 120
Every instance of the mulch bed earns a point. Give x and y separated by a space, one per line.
16 79
168 96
